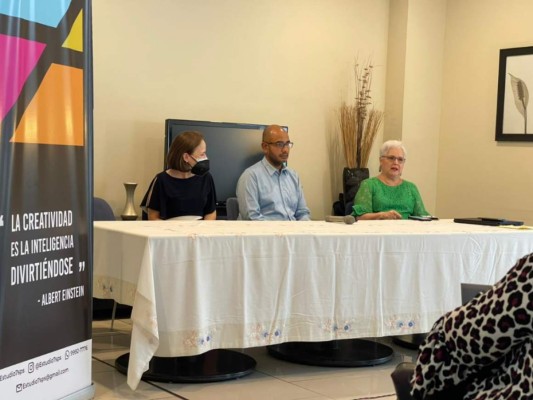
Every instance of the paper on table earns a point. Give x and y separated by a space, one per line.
185 218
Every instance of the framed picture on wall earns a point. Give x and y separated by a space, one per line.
515 80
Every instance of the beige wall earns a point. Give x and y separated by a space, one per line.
262 61
414 88
478 176
290 62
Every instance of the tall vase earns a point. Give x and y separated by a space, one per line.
129 213
351 181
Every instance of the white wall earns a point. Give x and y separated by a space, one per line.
478 176
262 61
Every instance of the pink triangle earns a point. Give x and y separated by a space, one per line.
18 58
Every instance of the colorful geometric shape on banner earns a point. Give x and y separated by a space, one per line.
74 39
18 58
47 12
55 114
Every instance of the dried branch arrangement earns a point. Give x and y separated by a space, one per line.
359 124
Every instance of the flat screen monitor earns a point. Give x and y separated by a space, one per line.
231 148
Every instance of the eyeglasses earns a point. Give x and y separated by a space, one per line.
281 145
400 160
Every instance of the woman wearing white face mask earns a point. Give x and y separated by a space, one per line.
186 188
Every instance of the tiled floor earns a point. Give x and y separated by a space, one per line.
273 379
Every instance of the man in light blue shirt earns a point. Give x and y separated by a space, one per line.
268 190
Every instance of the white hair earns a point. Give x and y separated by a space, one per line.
392 144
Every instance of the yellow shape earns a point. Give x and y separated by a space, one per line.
74 39
55 114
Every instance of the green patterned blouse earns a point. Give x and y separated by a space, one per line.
374 196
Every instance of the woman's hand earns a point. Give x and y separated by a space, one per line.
212 216
153 215
392 214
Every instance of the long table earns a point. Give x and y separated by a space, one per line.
201 285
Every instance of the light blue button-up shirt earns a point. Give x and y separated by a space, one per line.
268 194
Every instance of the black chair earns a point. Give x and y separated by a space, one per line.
348 209
232 208
471 290
412 341
102 211
401 378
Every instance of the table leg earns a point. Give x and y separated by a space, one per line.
334 353
212 366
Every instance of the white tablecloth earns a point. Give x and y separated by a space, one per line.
201 285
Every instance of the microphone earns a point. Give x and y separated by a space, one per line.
347 219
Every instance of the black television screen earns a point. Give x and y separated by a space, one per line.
231 148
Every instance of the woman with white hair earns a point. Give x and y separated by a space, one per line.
387 195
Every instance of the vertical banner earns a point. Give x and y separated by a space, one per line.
45 199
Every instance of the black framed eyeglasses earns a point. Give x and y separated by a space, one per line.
281 145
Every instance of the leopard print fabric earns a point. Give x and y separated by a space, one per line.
485 347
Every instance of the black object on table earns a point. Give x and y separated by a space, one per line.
488 221
212 366
334 353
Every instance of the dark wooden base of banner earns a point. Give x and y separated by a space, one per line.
212 366
410 341
334 353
